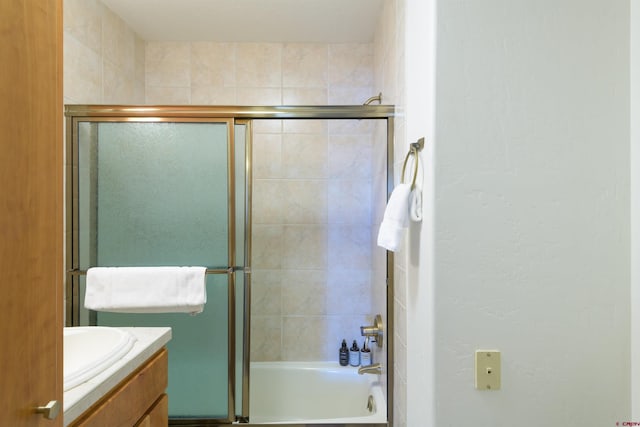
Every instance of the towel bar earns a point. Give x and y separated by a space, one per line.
219 270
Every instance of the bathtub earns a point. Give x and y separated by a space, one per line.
313 393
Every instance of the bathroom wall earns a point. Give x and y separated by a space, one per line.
420 29
103 58
635 205
531 244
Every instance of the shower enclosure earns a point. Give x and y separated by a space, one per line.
155 186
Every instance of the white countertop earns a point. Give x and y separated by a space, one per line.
80 398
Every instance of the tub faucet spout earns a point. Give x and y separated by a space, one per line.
370 369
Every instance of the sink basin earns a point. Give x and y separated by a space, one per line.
89 350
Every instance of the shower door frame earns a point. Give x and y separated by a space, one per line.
242 115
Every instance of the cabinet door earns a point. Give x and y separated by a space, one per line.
157 415
30 210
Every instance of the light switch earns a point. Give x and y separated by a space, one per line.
488 369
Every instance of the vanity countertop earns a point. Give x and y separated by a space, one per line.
80 398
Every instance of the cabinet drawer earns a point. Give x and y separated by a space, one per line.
158 415
131 399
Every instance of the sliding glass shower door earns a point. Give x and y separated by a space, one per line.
164 194
156 186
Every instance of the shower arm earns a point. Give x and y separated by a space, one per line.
374 98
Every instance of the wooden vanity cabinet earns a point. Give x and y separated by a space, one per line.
138 401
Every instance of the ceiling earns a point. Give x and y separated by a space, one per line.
303 21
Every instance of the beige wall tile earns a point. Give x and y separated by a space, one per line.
353 127
118 41
304 65
266 338
304 247
350 202
350 65
83 20
303 337
267 155
118 89
350 156
266 292
213 64
267 126
259 96
349 292
259 65
379 275
350 247
267 246
304 201
167 95
206 95
305 126
269 201
168 64
303 96
350 95
304 292
304 156
82 72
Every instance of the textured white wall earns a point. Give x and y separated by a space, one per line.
420 35
635 205
532 211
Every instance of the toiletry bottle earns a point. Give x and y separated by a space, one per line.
365 354
344 354
354 354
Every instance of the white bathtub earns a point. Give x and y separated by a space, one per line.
313 393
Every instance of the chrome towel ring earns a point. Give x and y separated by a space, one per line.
414 149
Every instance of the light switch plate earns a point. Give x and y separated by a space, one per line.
488 370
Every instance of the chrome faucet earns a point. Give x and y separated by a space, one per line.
370 369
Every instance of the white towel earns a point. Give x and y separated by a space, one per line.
396 218
146 289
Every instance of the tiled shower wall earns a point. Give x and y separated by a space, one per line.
210 73
103 57
311 239
389 48
312 194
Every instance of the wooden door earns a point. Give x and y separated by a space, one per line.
30 210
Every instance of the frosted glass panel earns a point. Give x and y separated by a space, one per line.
162 194
198 367
161 198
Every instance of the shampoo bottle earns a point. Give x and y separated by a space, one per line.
365 354
344 354
354 354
